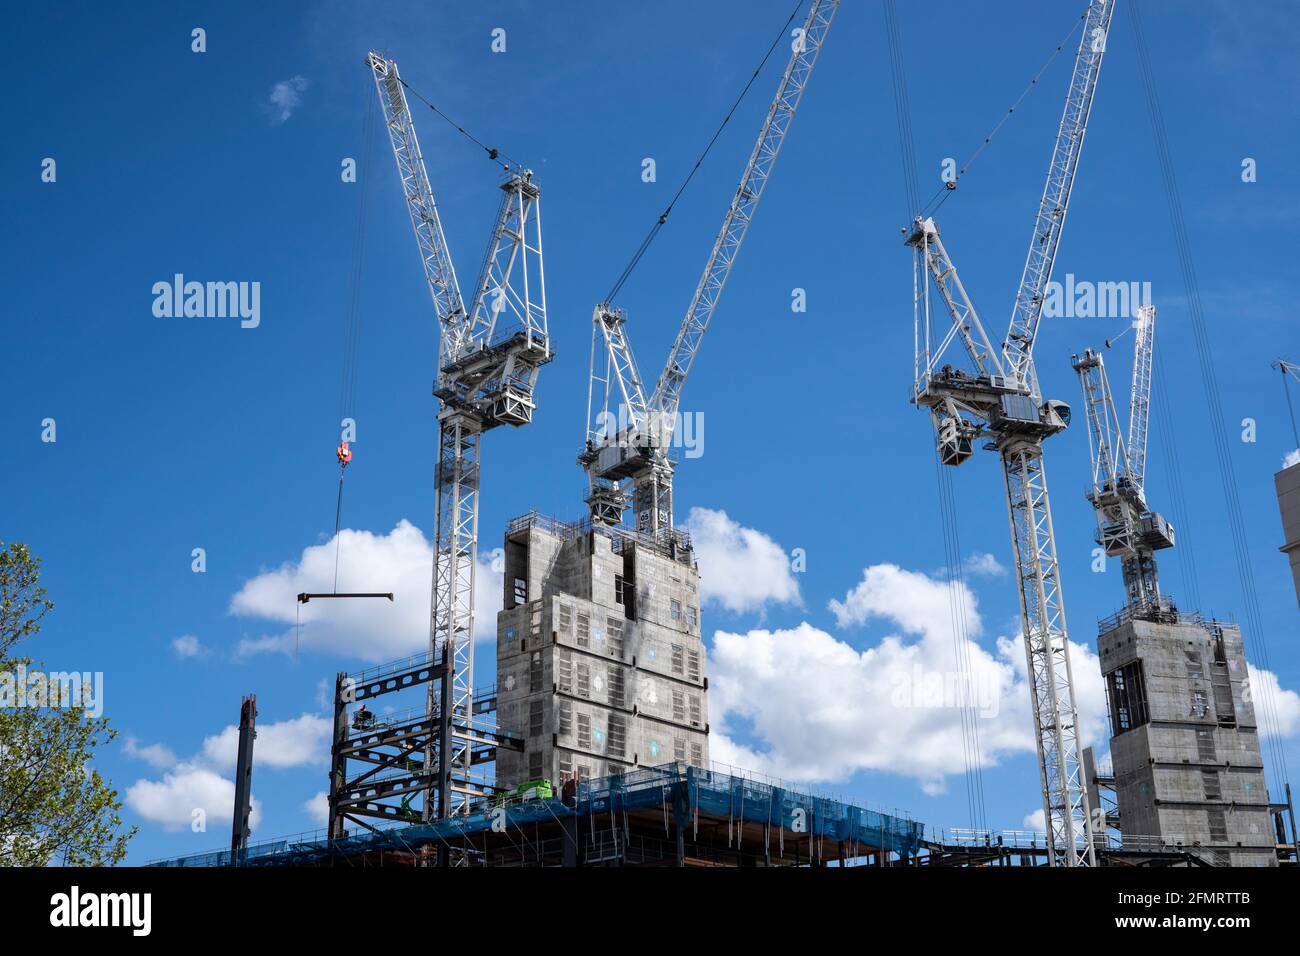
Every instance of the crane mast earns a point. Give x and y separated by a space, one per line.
488 361
998 399
634 445
1126 527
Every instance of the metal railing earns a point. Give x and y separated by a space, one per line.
1038 840
670 542
1167 613
377 672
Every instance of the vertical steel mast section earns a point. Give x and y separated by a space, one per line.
489 356
999 399
632 440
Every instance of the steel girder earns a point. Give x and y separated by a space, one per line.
396 756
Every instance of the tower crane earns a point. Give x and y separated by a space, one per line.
1289 370
489 354
997 398
1126 527
631 441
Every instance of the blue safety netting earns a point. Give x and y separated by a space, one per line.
681 790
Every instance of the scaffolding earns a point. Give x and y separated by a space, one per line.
674 814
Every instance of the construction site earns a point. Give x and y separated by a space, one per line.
590 744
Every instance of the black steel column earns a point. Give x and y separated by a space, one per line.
243 778
445 742
338 762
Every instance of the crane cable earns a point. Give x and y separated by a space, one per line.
1186 549
352 323
972 758
1209 379
944 191
494 154
663 216
1286 368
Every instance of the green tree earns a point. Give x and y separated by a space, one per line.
54 807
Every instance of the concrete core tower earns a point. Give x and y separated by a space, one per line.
600 663
1184 740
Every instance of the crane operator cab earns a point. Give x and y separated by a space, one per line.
1056 415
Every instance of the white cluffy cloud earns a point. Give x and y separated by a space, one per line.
199 788
285 97
984 564
1283 705
1035 820
318 808
301 742
744 569
372 629
187 795
820 708
156 755
187 645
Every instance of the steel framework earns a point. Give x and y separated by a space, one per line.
393 750
1126 527
999 399
632 441
489 357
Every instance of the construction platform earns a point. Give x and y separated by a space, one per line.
672 815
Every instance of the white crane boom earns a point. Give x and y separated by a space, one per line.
1049 221
1106 448
634 444
1000 401
439 272
1139 404
1126 527
489 359
803 57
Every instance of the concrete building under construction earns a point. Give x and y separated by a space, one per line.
1288 502
591 747
600 662
1184 739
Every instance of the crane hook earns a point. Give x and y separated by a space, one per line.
344 454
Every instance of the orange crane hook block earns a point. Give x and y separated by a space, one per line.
343 453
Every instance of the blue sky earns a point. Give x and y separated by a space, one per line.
180 433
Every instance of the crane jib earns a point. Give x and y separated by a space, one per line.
1055 202
631 442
